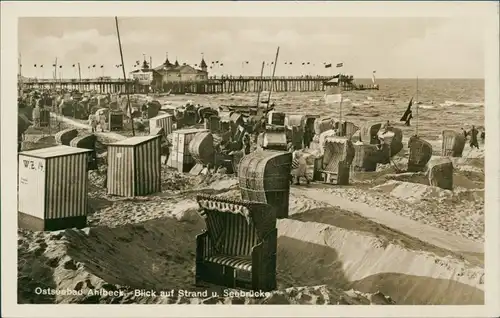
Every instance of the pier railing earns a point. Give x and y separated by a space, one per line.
212 85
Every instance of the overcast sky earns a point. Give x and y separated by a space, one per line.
394 47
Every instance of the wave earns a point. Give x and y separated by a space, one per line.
426 106
449 103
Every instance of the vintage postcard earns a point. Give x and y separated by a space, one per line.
194 155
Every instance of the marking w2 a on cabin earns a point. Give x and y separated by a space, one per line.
33 165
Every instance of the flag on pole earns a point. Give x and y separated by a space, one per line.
328 65
333 95
408 112
340 64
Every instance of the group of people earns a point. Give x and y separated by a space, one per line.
473 133
97 120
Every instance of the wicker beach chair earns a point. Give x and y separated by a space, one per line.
275 138
420 154
337 160
365 157
394 139
348 129
440 172
323 124
87 142
65 136
295 130
453 144
276 118
235 120
202 149
264 176
238 247
369 133
212 123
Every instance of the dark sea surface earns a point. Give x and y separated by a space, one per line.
446 103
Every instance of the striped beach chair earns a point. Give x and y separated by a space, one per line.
337 160
238 247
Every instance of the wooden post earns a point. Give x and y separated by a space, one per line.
79 78
124 75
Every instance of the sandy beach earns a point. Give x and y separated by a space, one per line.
385 239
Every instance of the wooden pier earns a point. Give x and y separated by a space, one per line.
213 85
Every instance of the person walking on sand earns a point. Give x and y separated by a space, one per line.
301 171
246 143
473 137
93 122
102 121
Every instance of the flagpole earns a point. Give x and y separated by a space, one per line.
124 75
55 70
416 126
80 76
340 115
341 100
260 87
272 78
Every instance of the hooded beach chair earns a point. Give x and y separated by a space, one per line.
337 160
238 247
420 154
453 143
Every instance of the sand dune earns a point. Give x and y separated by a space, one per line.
351 259
336 254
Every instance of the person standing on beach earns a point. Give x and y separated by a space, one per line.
102 121
464 132
308 136
301 171
246 143
93 122
473 137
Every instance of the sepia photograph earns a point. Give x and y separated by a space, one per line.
251 160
